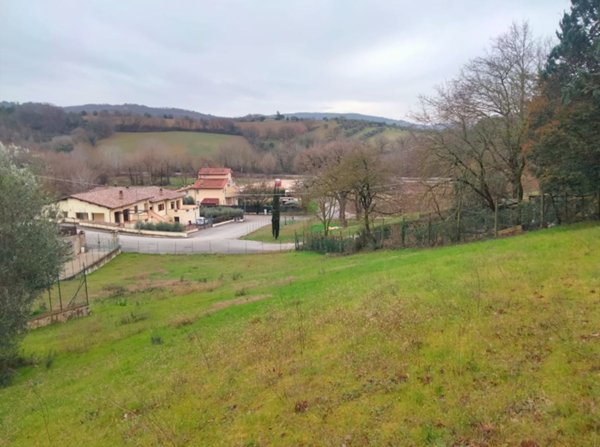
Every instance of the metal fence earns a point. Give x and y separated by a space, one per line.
195 246
94 252
460 225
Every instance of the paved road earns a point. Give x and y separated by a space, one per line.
221 239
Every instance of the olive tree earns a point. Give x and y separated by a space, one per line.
31 255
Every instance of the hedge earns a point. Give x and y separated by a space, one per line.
161 226
221 212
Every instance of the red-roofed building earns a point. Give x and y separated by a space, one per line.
214 172
127 205
214 187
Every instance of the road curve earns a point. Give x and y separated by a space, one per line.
221 239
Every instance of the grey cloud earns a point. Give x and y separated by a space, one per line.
234 57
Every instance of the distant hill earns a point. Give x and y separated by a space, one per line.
353 116
137 109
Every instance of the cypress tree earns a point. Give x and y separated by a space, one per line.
275 215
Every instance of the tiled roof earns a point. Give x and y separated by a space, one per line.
163 194
116 197
209 201
214 171
211 183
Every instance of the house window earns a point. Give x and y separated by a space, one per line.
172 205
161 207
135 209
177 219
82 216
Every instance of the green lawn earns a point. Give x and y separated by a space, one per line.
289 229
490 343
193 143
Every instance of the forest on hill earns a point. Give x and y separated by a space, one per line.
515 120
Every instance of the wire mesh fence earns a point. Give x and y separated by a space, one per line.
459 225
91 254
61 301
196 246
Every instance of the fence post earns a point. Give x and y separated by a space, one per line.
429 229
59 293
496 218
403 231
542 211
87 301
458 218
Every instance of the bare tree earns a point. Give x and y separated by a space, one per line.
482 115
369 178
328 169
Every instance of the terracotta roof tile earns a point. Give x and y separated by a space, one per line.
214 171
216 183
117 197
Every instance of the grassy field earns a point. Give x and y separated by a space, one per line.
192 143
491 343
290 228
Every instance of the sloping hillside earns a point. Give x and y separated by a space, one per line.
192 143
492 343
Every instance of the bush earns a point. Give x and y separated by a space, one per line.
161 226
221 213
189 200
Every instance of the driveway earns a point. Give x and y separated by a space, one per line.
221 239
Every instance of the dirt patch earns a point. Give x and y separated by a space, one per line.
187 320
174 287
285 281
235 302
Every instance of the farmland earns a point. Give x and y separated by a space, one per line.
192 143
491 343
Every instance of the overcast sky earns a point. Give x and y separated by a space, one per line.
231 58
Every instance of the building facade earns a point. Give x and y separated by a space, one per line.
125 206
213 187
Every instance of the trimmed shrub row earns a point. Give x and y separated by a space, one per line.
161 226
221 213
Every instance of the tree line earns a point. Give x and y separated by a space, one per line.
521 113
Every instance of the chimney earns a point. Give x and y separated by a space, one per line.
120 194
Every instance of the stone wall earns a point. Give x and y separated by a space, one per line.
58 316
